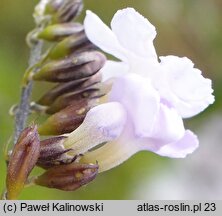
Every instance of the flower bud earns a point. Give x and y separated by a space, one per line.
52 153
68 177
57 32
22 160
88 95
66 120
76 67
62 11
72 86
69 45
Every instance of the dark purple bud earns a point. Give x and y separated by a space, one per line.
76 67
68 177
22 160
63 88
66 120
88 95
53 153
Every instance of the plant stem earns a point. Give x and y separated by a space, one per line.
24 105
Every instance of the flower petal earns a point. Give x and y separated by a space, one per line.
102 36
140 100
102 123
134 32
113 69
169 125
113 153
184 86
180 149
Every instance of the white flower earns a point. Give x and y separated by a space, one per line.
131 41
184 86
148 98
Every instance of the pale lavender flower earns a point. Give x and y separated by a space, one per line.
148 98
135 118
130 39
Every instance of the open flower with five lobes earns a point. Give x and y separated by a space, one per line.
130 39
135 118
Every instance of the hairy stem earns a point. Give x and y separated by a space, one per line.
24 107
